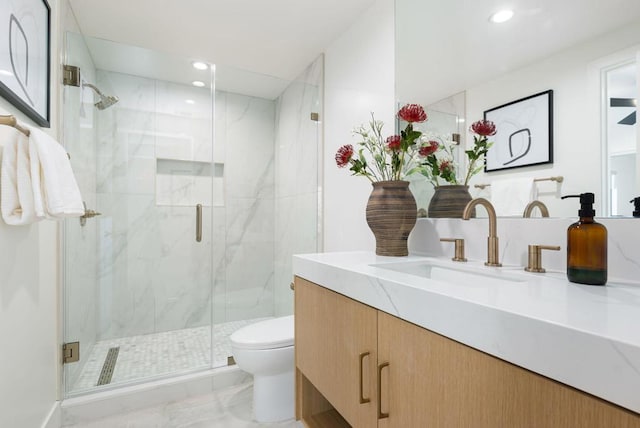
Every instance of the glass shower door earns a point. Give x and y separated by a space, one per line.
137 278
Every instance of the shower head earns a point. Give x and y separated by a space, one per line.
106 101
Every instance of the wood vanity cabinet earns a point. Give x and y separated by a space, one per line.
336 349
423 379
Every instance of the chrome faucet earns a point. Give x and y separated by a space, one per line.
492 240
531 205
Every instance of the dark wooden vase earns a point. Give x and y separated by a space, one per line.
449 202
391 215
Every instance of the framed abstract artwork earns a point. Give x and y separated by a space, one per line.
25 56
524 133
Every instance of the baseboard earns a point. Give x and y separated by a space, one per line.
54 419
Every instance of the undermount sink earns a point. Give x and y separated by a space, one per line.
450 274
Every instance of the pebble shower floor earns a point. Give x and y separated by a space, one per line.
159 354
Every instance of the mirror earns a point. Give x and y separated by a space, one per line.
545 46
619 104
444 119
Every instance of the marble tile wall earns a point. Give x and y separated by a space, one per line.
243 257
516 234
156 161
153 276
297 168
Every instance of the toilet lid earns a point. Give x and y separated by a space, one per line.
269 334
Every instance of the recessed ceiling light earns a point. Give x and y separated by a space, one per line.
197 83
189 101
501 16
199 65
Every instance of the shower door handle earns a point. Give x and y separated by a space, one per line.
198 222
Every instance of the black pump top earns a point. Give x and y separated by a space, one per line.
586 204
636 204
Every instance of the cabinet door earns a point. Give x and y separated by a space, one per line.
336 344
432 381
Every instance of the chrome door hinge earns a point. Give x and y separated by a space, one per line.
70 352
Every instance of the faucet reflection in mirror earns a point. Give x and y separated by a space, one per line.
493 258
528 210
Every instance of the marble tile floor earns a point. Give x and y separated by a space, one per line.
225 408
158 354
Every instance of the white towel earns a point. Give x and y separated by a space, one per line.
55 190
16 195
510 196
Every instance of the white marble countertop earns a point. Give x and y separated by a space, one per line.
584 336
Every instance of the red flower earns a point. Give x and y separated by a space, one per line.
428 149
445 166
343 156
412 113
394 142
483 127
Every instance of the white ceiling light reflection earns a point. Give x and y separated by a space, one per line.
199 65
501 16
198 83
5 73
189 101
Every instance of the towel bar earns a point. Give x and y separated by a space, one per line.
559 179
13 122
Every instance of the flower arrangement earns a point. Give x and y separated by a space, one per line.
399 156
381 159
439 161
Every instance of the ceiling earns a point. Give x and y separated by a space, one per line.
451 45
278 38
154 64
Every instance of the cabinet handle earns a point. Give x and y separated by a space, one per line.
362 399
380 414
198 222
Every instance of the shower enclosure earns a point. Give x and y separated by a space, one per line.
203 194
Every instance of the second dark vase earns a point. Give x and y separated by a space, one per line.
449 202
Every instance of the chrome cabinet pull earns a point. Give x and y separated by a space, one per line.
381 415
198 222
362 399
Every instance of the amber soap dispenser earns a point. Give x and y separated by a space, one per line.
586 245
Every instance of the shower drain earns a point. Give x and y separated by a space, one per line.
108 366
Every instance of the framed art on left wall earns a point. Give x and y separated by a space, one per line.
25 57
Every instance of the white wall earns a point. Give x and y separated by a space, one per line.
574 77
359 79
29 296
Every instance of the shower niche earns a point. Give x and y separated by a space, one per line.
146 299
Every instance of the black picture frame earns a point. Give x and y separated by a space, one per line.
25 57
524 133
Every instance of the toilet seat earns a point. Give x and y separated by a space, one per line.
268 334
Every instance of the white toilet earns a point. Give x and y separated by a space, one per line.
265 349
